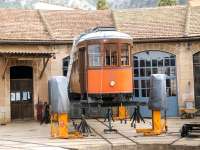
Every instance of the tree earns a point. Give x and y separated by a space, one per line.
166 2
102 4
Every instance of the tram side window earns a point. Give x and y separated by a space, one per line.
111 54
94 54
124 55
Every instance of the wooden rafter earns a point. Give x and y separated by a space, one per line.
5 68
44 66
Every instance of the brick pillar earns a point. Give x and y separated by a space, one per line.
185 77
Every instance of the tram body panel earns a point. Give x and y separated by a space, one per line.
78 74
109 80
75 79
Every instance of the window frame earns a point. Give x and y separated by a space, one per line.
102 44
101 54
172 76
104 54
129 54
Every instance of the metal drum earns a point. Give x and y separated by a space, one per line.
59 101
158 94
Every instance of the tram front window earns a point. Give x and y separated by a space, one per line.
111 54
125 55
94 53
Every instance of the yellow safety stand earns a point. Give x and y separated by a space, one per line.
122 113
158 125
60 125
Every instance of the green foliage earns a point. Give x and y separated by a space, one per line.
102 4
167 2
10 5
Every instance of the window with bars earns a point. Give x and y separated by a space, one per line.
153 62
65 65
125 52
111 54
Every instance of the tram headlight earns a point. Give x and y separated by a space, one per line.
112 83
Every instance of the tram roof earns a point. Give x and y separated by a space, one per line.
99 35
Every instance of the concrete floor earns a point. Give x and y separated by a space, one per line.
31 135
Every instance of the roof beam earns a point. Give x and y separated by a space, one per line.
46 25
32 42
170 39
187 20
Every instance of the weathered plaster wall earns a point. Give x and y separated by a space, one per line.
40 85
184 60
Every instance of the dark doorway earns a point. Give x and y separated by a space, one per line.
21 90
196 67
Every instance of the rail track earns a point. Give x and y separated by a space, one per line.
121 134
126 137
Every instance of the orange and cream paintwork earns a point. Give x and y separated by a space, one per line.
105 67
109 80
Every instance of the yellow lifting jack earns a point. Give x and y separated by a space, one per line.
157 102
159 125
122 113
60 127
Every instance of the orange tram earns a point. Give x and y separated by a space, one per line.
102 69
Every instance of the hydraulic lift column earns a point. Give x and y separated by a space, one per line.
60 107
157 103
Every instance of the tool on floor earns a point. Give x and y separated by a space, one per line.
60 106
83 127
189 128
136 116
157 104
109 117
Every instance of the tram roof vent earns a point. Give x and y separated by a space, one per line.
96 29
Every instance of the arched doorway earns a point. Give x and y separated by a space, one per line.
196 67
21 91
153 62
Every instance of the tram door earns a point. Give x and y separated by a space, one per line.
21 89
82 67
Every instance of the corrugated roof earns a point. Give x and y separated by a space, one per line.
25 50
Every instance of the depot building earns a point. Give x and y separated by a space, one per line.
35 45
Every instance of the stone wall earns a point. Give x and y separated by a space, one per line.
184 63
40 86
4 105
184 60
